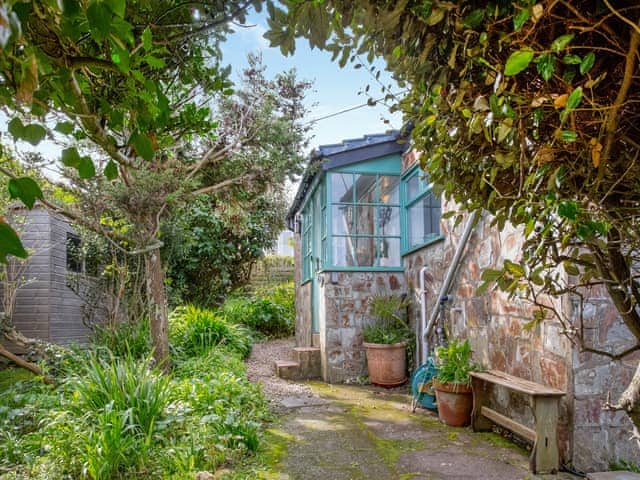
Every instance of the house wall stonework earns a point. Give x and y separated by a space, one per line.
344 311
601 437
493 323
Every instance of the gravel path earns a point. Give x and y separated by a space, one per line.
282 394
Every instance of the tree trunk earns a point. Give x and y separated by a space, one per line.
22 363
158 317
630 403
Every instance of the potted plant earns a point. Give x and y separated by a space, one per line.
452 383
386 340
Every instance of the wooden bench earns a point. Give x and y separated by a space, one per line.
544 404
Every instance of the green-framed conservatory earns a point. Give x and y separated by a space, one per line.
357 212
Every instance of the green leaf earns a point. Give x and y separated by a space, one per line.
568 209
154 62
99 18
520 19
66 128
147 39
111 170
26 189
16 128
490 275
568 136
86 168
474 19
34 134
571 59
574 99
546 65
561 42
518 61
587 62
143 146
70 157
118 7
514 268
10 243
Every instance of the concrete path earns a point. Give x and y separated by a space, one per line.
340 432
368 433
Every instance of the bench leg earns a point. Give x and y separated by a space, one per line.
545 457
478 422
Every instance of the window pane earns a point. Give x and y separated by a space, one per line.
388 221
413 187
389 189
343 250
342 219
389 252
423 220
366 252
366 189
365 220
341 187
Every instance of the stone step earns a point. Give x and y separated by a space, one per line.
287 369
309 360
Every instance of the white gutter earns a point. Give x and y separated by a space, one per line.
446 284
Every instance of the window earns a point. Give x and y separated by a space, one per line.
307 251
74 255
423 211
365 220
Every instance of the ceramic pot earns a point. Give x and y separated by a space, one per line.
387 364
455 402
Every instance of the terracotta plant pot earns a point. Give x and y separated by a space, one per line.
455 402
387 364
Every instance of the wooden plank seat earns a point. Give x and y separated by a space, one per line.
544 404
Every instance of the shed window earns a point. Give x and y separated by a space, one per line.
423 211
365 220
74 255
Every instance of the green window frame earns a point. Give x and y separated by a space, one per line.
306 238
421 213
364 220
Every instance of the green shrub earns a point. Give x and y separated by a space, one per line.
195 331
125 339
271 312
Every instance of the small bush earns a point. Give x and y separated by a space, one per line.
195 331
271 312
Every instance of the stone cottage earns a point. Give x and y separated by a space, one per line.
365 220
48 306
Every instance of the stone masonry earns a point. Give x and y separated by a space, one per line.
344 307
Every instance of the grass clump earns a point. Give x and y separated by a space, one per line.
195 331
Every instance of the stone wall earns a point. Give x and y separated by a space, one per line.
303 299
601 437
344 312
493 323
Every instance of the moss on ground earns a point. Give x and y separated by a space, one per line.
11 376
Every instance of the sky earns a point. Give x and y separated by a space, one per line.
334 89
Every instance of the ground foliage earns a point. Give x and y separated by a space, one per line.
527 110
116 417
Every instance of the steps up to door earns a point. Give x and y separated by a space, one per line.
304 366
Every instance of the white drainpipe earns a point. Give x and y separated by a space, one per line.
421 342
451 272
